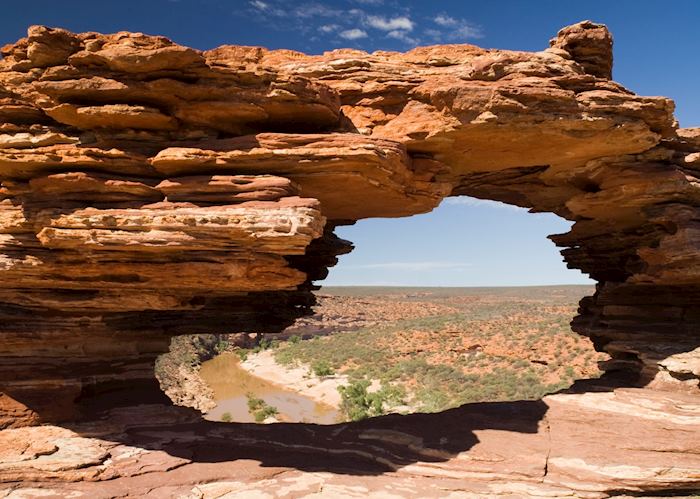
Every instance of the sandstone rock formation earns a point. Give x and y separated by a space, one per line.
150 190
565 445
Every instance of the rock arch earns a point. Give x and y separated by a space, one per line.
150 190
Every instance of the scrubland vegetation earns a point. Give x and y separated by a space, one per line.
486 349
423 350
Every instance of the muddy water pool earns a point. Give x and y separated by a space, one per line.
232 385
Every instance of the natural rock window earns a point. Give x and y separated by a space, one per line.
369 351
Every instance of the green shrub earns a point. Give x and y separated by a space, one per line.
262 345
264 413
254 403
393 394
356 403
259 409
322 368
432 400
221 346
226 417
294 339
265 344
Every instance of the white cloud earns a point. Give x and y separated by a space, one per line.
453 29
397 23
266 11
259 4
316 10
415 266
467 31
353 34
329 28
469 201
403 36
314 18
445 20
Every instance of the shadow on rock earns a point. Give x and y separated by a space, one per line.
369 447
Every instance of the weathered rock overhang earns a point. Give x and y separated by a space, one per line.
150 190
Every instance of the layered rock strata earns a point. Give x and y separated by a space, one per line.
591 445
150 190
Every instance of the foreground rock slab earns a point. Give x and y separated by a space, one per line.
587 445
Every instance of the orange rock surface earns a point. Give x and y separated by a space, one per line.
149 190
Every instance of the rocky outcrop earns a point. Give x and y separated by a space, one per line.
150 190
178 373
178 370
566 445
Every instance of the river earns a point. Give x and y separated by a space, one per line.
232 384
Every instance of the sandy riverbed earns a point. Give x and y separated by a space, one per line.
298 379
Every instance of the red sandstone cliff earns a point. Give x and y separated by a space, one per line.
149 190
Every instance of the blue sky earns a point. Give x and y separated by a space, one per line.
463 242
